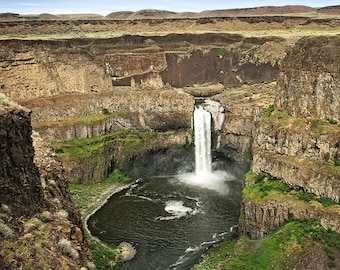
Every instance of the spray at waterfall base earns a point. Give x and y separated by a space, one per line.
204 176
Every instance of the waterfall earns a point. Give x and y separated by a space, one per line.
202 129
204 176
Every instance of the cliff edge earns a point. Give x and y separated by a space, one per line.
40 227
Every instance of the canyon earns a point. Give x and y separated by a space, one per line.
80 89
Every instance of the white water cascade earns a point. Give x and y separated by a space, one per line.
202 129
204 175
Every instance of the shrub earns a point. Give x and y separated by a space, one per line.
327 202
32 224
105 111
62 214
91 266
6 231
46 216
332 121
5 208
305 196
59 150
4 100
66 247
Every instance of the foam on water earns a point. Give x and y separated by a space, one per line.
177 209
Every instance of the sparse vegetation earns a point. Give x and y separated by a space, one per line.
61 214
259 186
267 112
5 208
66 247
6 231
275 116
46 216
220 52
83 195
32 224
104 255
4 100
106 111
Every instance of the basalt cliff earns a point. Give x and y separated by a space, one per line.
40 227
103 102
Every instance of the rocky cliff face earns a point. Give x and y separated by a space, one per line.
40 227
243 110
19 175
93 65
259 220
298 146
309 81
70 116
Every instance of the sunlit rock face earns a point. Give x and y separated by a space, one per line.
302 95
309 81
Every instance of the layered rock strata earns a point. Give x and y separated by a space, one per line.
300 145
243 110
42 68
70 116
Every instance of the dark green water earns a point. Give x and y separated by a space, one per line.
170 220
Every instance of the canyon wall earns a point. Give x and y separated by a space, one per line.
309 79
298 141
84 87
43 68
65 117
37 216
244 106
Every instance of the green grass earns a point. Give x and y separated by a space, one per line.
275 116
128 141
308 197
88 198
268 111
105 256
84 194
260 186
87 119
272 252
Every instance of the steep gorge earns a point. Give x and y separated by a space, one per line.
88 89
84 88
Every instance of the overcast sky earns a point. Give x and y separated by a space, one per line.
105 7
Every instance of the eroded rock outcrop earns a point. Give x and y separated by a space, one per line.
19 175
40 225
309 81
243 110
272 213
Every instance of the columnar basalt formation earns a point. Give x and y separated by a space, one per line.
43 68
298 143
309 81
244 106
